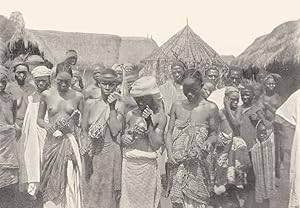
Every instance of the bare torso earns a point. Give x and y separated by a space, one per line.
6 109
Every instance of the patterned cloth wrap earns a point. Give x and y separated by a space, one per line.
191 179
231 161
97 130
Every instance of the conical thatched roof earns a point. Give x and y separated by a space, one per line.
282 45
187 47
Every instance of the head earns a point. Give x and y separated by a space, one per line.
3 78
207 89
64 77
76 77
177 70
97 72
108 82
145 90
192 85
71 57
247 94
233 95
234 77
41 75
270 82
119 70
261 129
21 71
258 90
212 74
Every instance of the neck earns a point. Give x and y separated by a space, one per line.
247 105
269 93
196 101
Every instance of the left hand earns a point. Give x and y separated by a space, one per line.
147 112
226 102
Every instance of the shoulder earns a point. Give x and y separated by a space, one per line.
211 106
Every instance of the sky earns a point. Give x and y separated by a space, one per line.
229 26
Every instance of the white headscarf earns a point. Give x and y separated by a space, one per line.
41 71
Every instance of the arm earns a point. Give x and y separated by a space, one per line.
115 120
42 112
169 139
156 134
234 119
213 123
14 110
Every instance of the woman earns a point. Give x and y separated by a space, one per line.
145 126
102 122
61 159
191 132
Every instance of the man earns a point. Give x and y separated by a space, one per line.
212 74
234 78
287 116
102 122
71 57
8 145
145 127
33 137
20 89
93 91
172 89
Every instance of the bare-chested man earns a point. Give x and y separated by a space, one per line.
8 145
60 182
192 131
20 90
145 127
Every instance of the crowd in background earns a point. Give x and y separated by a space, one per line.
65 143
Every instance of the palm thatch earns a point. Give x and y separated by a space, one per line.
281 46
23 42
135 49
7 29
187 47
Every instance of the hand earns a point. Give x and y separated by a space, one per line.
127 140
208 145
147 112
117 195
85 146
112 100
50 129
171 158
226 102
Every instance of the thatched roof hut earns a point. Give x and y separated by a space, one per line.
277 52
281 45
187 47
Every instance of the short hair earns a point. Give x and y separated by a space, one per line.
194 74
234 68
63 67
71 51
211 68
20 64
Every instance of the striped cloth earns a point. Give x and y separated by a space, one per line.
263 160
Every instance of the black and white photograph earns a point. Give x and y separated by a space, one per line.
150 104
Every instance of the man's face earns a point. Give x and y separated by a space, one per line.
207 89
108 87
96 77
234 98
270 84
247 96
3 82
21 74
72 60
191 89
212 74
257 91
177 73
42 83
235 78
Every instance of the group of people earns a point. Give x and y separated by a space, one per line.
75 146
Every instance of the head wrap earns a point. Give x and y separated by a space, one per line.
144 86
109 75
35 60
71 54
247 86
230 90
41 71
3 71
117 67
276 77
178 63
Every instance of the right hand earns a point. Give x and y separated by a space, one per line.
127 140
85 146
50 129
226 102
